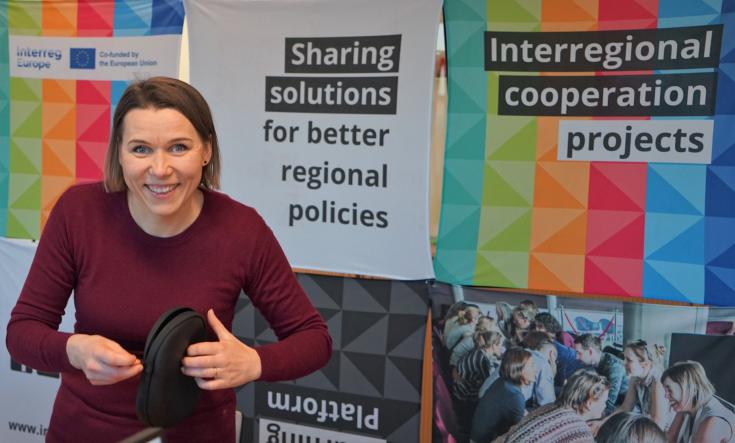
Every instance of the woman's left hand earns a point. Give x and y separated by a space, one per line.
222 364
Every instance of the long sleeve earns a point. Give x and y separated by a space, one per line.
32 334
304 343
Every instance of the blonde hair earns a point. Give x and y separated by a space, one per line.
582 386
696 389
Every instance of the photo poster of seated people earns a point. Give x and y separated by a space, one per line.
515 366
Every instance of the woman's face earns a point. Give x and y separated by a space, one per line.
521 321
595 407
528 375
674 394
634 366
162 157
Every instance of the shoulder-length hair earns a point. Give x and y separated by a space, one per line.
512 364
162 93
583 385
625 427
696 389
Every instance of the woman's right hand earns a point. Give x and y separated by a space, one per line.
102 360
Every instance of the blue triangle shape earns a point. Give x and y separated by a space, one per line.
719 237
728 6
687 247
720 192
726 89
686 8
657 287
464 10
686 279
665 185
724 260
127 18
464 234
469 141
719 286
723 145
167 17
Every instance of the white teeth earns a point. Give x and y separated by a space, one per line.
159 189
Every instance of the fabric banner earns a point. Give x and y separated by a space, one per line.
63 66
28 395
323 110
590 148
370 391
467 403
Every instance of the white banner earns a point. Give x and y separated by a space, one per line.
272 431
27 395
323 114
90 58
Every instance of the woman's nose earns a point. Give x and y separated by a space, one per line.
159 165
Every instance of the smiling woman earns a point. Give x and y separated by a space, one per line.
157 235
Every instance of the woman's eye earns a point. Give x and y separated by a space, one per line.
179 148
140 149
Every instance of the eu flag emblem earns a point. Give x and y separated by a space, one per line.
82 58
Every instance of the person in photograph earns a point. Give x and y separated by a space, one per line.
530 306
589 351
503 405
583 398
452 315
504 315
541 391
464 325
626 427
645 392
153 236
467 344
566 357
520 324
701 417
478 364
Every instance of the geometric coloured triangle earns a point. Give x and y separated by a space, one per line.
514 11
25 156
59 91
93 92
401 327
23 223
511 139
616 233
561 185
329 286
460 186
58 158
617 186
25 119
459 228
560 231
59 19
22 16
95 18
720 191
725 260
575 11
371 341
508 183
52 188
93 123
90 159
464 11
687 247
627 10
408 375
556 272
676 189
167 14
726 89
28 90
719 237
463 101
408 297
504 229
26 192
126 16
366 295
662 229
59 121
689 8
465 136
719 286
660 283
613 276
355 324
371 367
501 269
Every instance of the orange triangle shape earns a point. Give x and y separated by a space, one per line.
52 188
547 134
561 185
569 239
53 164
569 11
59 18
59 121
541 277
59 91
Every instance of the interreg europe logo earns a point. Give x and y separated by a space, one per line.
82 58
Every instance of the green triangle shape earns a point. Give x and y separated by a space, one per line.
519 146
468 174
466 44
514 11
24 17
25 156
508 184
503 269
24 223
31 125
464 10
505 230
461 102
25 89
454 267
455 193
25 191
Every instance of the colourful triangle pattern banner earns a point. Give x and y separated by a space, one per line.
54 132
519 211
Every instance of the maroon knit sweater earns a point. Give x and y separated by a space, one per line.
123 279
